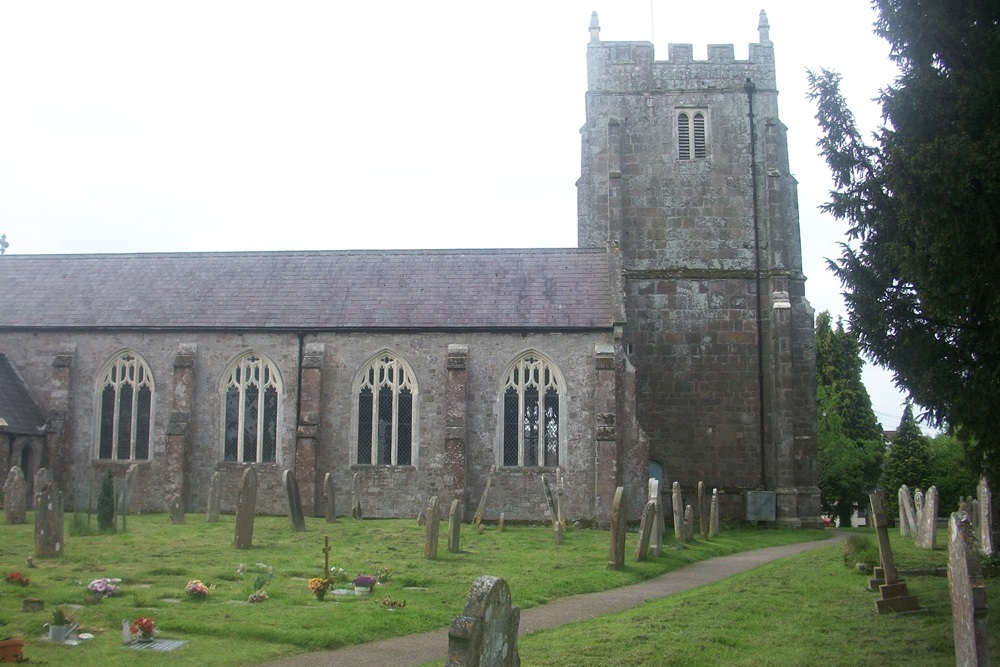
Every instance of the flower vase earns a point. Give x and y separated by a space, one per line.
362 590
320 594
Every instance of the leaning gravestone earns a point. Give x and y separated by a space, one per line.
986 518
330 498
455 526
618 519
433 530
657 536
928 520
645 530
968 594
553 512
214 497
678 508
894 595
48 521
485 635
904 524
356 497
176 508
702 513
478 518
15 497
906 508
714 519
246 508
296 519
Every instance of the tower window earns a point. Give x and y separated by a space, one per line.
691 135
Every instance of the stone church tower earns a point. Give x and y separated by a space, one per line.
685 178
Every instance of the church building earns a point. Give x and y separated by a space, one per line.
674 342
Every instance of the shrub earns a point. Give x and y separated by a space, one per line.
106 504
860 549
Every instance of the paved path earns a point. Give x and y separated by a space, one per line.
430 646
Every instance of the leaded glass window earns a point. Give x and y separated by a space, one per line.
530 414
385 388
250 430
125 409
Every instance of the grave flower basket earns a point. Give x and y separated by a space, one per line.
143 629
319 586
363 584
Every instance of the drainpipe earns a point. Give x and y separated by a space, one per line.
750 88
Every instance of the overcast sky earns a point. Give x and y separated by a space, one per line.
198 126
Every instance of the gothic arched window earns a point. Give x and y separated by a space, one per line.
250 396
385 388
530 421
125 408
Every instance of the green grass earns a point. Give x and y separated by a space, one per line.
156 559
809 609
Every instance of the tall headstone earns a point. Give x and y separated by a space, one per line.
702 511
15 497
48 521
433 530
356 497
214 497
894 596
42 478
619 507
968 594
715 513
918 513
986 518
677 502
928 518
175 506
485 635
560 488
557 526
645 530
296 519
246 508
904 524
688 523
330 498
656 539
129 490
478 518
455 526
907 510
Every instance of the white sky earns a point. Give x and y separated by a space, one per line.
240 125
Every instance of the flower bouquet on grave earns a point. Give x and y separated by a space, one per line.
319 586
16 578
143 629
363 584
105 588
197 590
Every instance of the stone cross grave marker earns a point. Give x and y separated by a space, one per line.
478 518
645 530
433 530
985 517
485 635
968 594
246 508
688 523
678 509
894 596
656 538
176 508
326 556
329 498
714 519
455 526
15 497
214 497
619 507
702 511
356 497
48 521
928 520
296 519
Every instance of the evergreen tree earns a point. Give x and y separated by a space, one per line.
950 472
907 462
106 504
923 204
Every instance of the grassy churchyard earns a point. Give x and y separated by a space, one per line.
806 610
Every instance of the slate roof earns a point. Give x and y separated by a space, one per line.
318 290
17 407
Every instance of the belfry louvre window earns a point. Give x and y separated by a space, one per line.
126 407
691 133
531 413
385 388
250 397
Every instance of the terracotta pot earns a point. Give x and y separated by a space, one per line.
11 650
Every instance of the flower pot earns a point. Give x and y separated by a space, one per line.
362 590
320 594
11 650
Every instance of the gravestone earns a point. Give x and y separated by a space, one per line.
975 515
677 505
986 518
329 498
503 518
42 478
928 525
907 510
702 513
715 513
356 497
918 514
619 507
455 526
965 505
433 530
645 530
246 508
968 594
656 539
894 596
688 523
296 519
176 508
485 635
214 497
130 488
15 497
478 518
560 487
904 523
48 521
557 533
